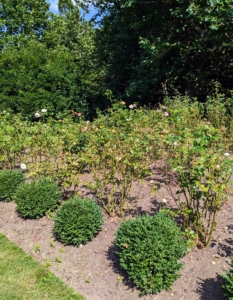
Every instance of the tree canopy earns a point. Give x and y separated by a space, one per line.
48 61
185 44
131 49
21 19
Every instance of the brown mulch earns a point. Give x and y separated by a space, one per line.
93 269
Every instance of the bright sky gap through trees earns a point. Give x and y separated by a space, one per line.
54 9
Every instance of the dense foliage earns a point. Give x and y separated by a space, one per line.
78 221
36 198
149 249
21 20
9 181
48 63
184 44
136 48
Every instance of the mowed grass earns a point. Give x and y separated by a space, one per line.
21 277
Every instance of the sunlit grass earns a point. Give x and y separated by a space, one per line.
23 278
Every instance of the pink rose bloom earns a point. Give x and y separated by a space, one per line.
79 114
123 102
166 114
152 166
131 106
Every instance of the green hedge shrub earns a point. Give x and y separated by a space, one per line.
9 180
149 249
77 221
34 199
228 282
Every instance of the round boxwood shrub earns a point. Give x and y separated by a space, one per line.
149 249
34 199
9 181
77 221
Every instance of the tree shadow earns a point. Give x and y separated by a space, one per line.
139 210
210 289
225 249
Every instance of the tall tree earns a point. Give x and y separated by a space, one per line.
20 19
187 44
56 69
68 30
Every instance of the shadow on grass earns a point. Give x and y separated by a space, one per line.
210 289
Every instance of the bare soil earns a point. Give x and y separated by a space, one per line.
93 269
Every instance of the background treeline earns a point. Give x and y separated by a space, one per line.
135 51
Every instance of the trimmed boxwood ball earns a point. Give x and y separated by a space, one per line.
149 248
77 221
34 199
9 181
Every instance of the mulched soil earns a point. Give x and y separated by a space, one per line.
93 269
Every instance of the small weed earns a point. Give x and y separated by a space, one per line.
62 250
47 262
120 278
58 260
52 243
37 248
88 280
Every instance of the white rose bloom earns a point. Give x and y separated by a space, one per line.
37 115
23 166
131 106
44 110
226 154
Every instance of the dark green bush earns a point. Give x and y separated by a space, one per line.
228 282
149 249
34 199
77 221
9 180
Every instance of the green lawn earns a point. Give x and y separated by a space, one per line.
21 277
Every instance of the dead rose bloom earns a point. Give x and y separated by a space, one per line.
164 131
84 129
